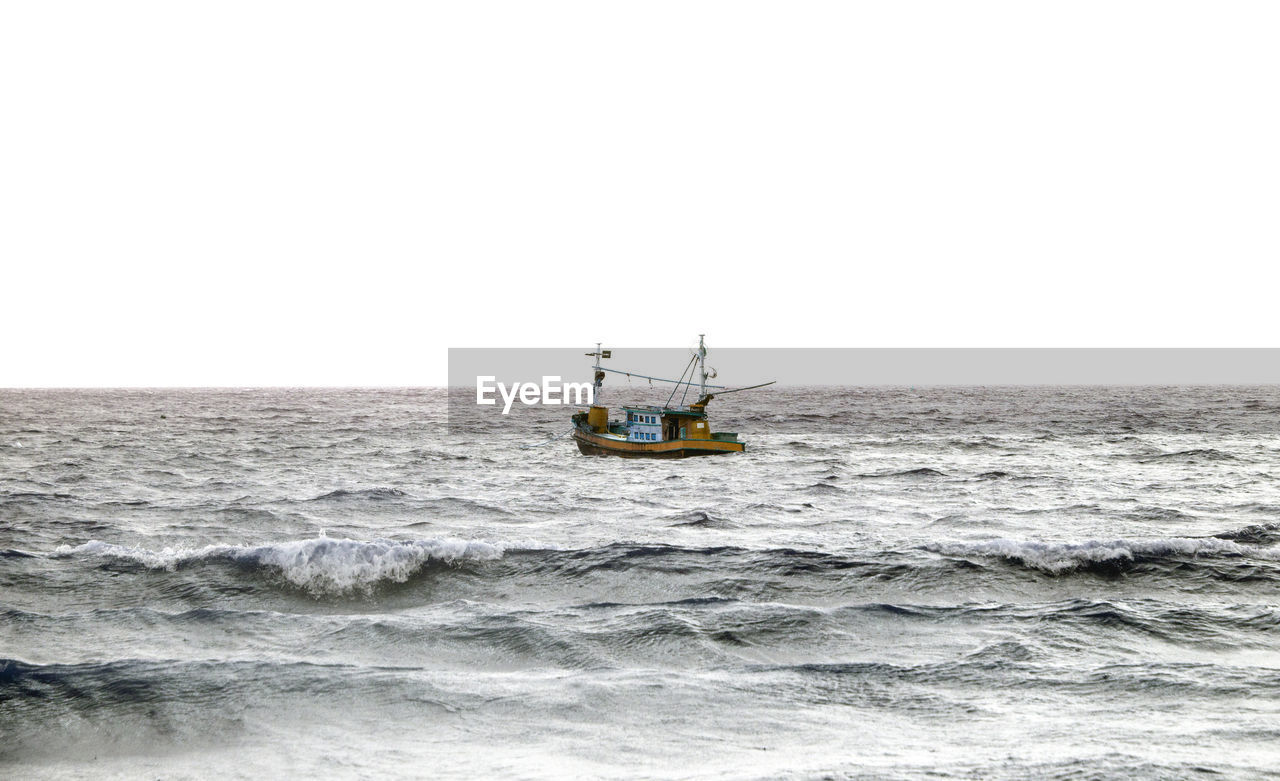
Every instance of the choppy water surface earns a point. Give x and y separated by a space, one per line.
968 582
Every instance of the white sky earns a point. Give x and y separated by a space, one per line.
333 193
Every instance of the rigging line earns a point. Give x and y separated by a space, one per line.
677 387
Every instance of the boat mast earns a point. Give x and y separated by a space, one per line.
702 366
598 377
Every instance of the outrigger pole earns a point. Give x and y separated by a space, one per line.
647 377
749 387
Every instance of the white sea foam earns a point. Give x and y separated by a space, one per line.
321 565
1058 558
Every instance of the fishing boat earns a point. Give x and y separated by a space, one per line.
657 431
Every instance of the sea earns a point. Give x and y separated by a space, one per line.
890 583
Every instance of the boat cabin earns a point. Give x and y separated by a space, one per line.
644 425
664 424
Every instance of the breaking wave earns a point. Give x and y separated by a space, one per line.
1101 555
320 565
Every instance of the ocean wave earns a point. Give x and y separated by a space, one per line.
1197 454
375 494
699 518
329 566
1258 534
923 471
988 666
1101 555
33 495
320 565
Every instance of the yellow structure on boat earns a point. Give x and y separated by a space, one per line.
655 432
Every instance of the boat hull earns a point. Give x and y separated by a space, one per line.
592 445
